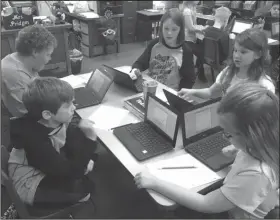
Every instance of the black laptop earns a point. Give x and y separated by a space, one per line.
203 138
124 79
178 103
156 135
95 89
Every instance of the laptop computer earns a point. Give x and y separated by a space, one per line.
95 89
241 25
156 135
124 79
178 103
203 138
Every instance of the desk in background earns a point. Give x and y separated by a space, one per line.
147 24
114 98
59 65
91 45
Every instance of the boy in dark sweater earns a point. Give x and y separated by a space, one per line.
53 151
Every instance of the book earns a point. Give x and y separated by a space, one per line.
136 106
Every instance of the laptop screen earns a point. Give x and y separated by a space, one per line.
240 26
201 119
99 82
162 117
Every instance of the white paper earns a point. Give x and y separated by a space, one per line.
107 117
187 178
271 40
74 81
89 14
125 69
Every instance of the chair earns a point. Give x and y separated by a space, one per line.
212 57
27 211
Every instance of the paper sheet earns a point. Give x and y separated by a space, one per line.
74 81
89 14
125 69
187 178
271 40
107 117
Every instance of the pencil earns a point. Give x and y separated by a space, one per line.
171 168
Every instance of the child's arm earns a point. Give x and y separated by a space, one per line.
213 202
44 157
142 63
206 93
214 91
189 23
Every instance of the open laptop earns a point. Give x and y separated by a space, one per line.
241 25
181 105
95 89
203 138
124 79
156 135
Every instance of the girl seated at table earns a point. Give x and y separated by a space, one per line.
191 29
249 61
168 59
249 115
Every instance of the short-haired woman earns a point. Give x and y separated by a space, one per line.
34 47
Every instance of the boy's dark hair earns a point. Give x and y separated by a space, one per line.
177 17
46 93
34 38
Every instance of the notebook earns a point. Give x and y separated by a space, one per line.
241 25
123 79
155 135
95 89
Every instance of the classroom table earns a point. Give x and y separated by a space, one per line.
114 100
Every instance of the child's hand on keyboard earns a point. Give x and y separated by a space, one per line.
230 151
145 179
87 128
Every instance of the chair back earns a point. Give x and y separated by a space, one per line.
9 186
229 26
211 51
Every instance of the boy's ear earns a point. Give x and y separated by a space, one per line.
46 114
34 53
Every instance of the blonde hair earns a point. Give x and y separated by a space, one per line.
256 112
222 15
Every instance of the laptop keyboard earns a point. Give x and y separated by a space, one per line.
209 146
149 138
